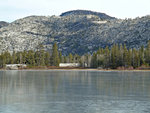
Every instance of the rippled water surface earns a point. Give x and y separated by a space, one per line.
74 92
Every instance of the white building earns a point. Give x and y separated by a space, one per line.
15 66
69 65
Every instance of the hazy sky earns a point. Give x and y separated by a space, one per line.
11 10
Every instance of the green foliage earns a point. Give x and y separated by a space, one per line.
55 56
147 54
60 56
114 57
94 60
14 58
30 58
120 56
70 58
47 59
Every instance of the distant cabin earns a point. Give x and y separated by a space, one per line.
15 66
69 65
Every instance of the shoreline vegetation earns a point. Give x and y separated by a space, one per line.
40 68
82 68
116 57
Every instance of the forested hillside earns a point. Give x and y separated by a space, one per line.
76 32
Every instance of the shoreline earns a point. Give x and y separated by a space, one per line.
78 69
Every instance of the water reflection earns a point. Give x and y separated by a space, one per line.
74 92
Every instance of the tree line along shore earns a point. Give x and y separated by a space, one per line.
116 57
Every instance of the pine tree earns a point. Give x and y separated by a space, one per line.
106 57
129 62
121 62
87 60
41 54
19 59
125 56
147 54
113 57
42 58
60 56
24 57
117 55
37 58
141 55
136 59
31 58
65 59
3 60
94 60
82 61
70 58
47 59
55 57
7 57
14 58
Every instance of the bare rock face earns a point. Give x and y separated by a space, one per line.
3 24
74 31
102 16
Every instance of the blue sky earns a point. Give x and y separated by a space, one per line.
11 10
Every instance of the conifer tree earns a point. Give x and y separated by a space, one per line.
117 55
82 61
7 57
24 57
42 58
141 55
14 58
3 60
94 60
147 53
121 55
60 57
136 59
106 57
19 58
125 56
113 57
129 62
87 60
70 58
37 58
65 59
55 57
31 58
47 59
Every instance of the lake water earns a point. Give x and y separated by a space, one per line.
74 92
